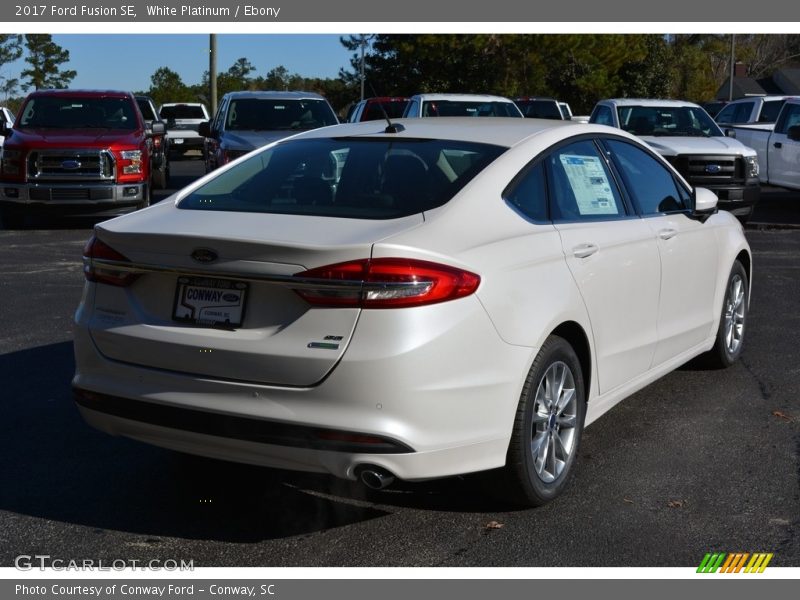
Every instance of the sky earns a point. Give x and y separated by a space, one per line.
127 61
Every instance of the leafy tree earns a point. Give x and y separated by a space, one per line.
166 86
10 50
45 58
650 77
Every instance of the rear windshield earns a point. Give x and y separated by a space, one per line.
394 109
253 114
54 112
350 178
183 111
540 109
456 108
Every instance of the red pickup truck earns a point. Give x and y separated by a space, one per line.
77 152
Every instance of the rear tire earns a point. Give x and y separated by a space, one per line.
547 430
730 334
160 178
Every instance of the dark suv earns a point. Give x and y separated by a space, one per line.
160 149
248 120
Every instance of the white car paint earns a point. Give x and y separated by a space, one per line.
445 379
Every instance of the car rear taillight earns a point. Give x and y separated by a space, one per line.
98 259
384 283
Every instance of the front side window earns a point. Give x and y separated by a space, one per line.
650 183
580 185
602 115
789 118
358 178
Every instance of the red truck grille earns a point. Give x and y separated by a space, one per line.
71 165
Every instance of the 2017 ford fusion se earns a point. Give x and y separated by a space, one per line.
431 298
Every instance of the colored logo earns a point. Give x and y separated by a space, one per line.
738 562
71 165
713 168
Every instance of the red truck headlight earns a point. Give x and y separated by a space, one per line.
131 163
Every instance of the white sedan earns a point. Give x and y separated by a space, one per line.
429 298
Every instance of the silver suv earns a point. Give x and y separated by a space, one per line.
248 120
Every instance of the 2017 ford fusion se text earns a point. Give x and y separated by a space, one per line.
429 298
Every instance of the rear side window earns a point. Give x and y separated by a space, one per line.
581 185
652 185
351 178
770 111
529 194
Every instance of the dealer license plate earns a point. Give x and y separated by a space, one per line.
209 301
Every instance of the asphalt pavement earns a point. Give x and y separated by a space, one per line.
702 460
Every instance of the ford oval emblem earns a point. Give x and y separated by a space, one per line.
204 255
71 165
230 297
713 168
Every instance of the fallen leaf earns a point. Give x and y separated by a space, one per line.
494 525
782 415
676 503
628 500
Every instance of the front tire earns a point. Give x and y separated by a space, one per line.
730 334
548 426
145 202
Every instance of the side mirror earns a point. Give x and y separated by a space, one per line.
158 128
205 129
731 133
5 129
705 203
794 133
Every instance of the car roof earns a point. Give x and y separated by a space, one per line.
274 95
500 131
387 99
534 98
182 104
462 97
648 102
82 92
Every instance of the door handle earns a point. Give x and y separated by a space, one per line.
778 145
584 250
668 233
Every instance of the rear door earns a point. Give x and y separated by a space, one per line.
613 257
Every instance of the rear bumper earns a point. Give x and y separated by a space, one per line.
433 416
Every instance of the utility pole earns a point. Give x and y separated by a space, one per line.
362 76
212 72
733 66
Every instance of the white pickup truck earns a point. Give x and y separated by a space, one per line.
754 109
690 141
778 146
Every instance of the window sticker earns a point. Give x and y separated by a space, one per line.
590 184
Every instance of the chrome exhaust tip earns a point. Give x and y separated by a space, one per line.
376 478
